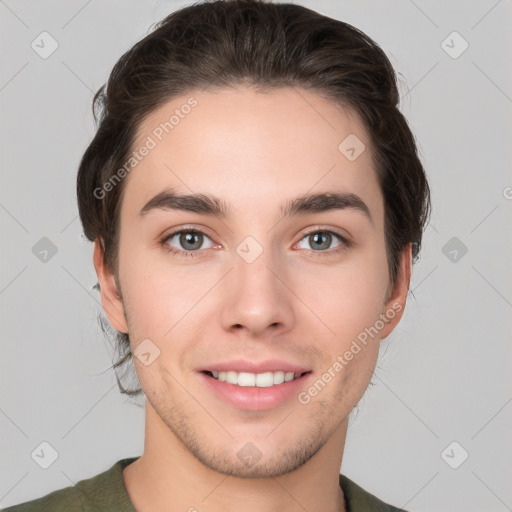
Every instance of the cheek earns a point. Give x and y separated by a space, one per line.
349 297
150 292
156 301
351 306
162 298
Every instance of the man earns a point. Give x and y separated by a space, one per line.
256 200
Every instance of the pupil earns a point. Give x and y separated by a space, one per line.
190 238
316 237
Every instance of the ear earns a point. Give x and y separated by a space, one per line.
110 297
397 296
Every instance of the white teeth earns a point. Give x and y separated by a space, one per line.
260 380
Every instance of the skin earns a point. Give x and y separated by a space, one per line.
293 303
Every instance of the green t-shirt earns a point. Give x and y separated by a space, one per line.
106 492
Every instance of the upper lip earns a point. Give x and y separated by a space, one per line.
270 365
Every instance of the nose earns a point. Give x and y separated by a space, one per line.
257 297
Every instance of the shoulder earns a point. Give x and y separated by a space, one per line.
360 500
62 500
105 491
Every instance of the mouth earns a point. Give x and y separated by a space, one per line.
258 380
255 391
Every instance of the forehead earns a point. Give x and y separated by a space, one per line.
253 149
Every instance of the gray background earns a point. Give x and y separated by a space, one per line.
443 376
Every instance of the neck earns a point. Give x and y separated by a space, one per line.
168 477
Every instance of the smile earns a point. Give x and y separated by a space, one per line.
260 380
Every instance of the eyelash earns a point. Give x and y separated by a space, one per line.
192 254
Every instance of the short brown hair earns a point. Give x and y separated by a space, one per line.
226 43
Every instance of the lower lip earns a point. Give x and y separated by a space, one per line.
251 398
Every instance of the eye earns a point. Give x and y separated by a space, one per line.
188 241
320 240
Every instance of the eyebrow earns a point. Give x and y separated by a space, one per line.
205 204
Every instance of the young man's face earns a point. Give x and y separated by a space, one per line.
253 285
